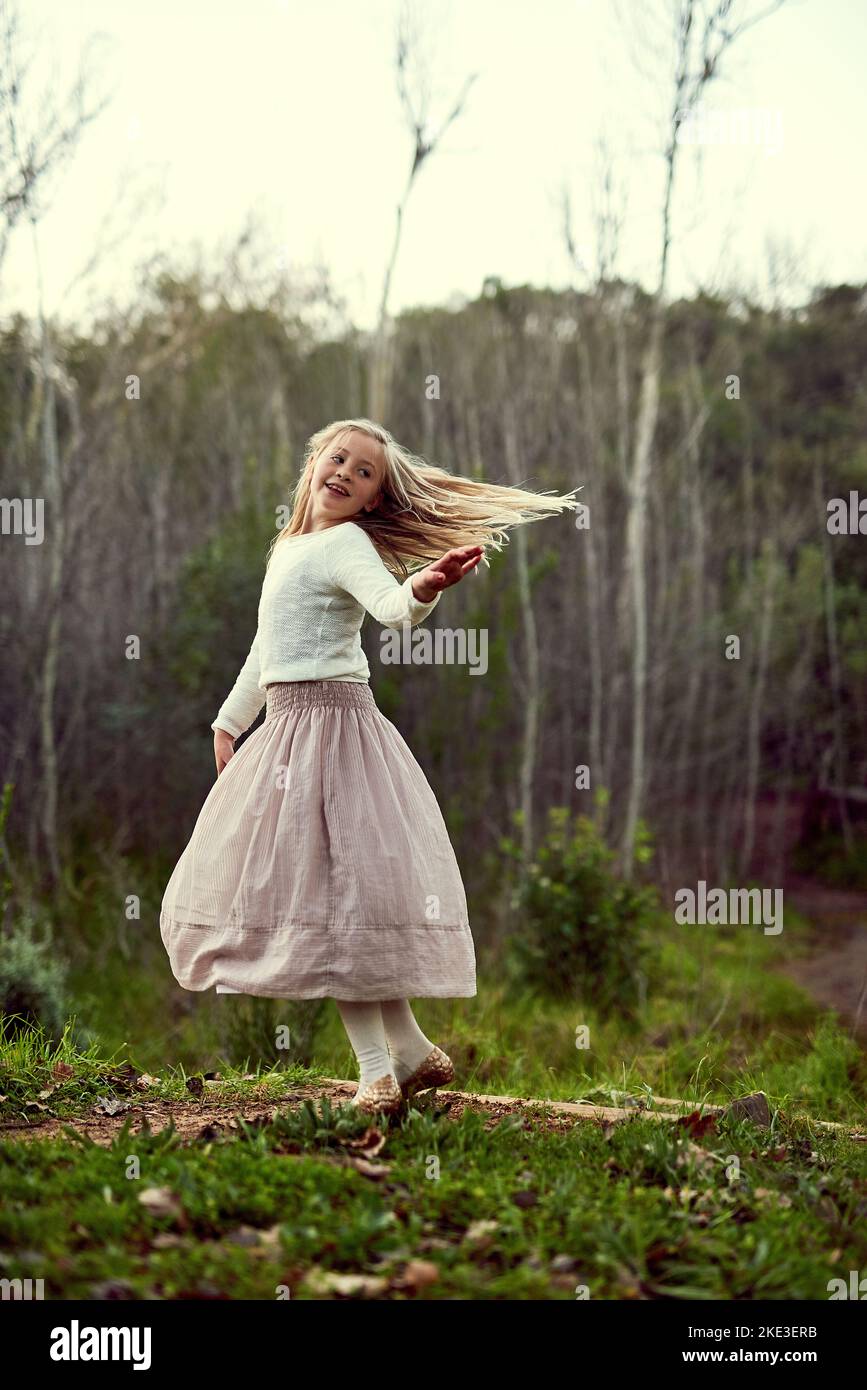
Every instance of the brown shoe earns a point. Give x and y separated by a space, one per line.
435 1070
380 1096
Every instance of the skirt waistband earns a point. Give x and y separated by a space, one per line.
284 695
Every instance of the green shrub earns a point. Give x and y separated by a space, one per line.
32 981
251 1026
580 932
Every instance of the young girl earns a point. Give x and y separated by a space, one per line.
320 865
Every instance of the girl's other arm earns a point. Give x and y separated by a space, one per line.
244 700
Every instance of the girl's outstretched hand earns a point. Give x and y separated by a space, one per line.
447 570
224 748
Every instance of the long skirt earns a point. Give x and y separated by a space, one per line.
320 865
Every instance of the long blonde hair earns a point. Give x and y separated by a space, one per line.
423 510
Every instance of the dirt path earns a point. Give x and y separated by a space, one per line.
211 1118
835 973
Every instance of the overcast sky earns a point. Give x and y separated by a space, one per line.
288 110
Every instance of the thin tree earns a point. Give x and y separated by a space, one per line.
424 144
703 35
27 162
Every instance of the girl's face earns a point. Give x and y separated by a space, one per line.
347 477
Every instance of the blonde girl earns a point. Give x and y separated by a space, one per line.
320 865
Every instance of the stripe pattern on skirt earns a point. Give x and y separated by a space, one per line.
320 865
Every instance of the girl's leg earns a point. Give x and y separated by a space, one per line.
365 1030
406 1042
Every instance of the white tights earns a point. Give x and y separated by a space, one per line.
385 1038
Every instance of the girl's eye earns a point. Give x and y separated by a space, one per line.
367 472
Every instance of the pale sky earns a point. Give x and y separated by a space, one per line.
287 110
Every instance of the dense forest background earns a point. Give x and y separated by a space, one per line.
682 662
164 505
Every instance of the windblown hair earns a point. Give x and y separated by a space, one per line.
424 510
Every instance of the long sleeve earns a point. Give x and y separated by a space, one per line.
354 564
245 699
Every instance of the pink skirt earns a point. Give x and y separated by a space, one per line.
320 865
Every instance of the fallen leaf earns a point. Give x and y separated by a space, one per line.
112 1289
697 1124
435 1243
109 1105
525 1199
418 1274
762 1194
480 1234
244 1235
124 1078
160 1201
346 1285
209 1132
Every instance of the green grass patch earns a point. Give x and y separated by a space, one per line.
454 1209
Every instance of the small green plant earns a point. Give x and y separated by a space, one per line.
580 931
32 981
255 1030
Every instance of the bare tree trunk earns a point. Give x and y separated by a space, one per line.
794 703
51 655
692 75
754 722
699 828
382 356
528 682
23 169
591 561
685 795
648 410
623 402
829 594
646 427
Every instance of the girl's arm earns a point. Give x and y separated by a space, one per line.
354 564
245 699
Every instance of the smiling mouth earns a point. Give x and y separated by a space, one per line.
335 487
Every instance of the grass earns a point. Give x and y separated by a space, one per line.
526 1206
450 1209
718 1016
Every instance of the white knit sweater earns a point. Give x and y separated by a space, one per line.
316 589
